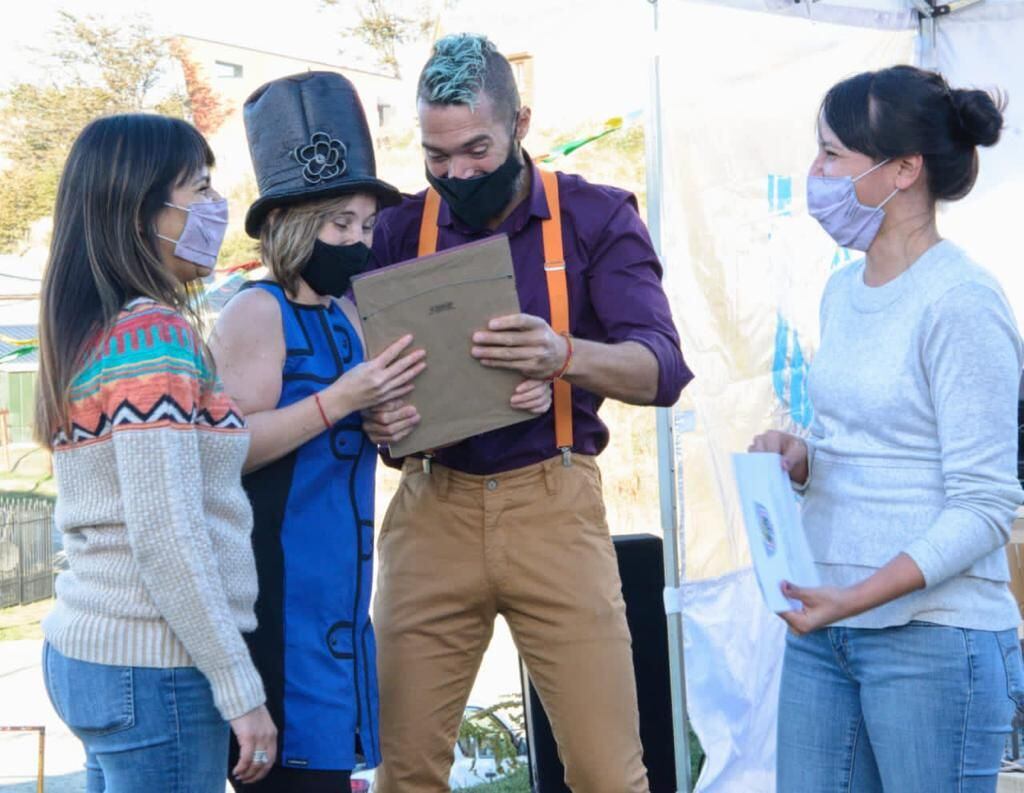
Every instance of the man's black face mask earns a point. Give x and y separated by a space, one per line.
476 201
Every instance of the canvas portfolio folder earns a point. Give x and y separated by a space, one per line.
442 299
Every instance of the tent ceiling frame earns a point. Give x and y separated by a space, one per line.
928 14
928 9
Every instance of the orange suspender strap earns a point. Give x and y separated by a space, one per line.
558 297
428 245
428 225
558 290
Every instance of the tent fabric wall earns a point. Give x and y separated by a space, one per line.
734 688
745 267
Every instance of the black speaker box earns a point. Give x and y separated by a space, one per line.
641 568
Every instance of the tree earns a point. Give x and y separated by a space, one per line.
205 107
101 69
37 125
125 61
496 730
385 24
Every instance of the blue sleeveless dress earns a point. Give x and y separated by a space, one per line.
313 542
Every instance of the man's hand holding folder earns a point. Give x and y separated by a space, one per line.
524 343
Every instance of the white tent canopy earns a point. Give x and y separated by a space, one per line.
737 89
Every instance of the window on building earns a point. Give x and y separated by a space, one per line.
227 70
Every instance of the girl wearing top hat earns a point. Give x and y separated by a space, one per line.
289 351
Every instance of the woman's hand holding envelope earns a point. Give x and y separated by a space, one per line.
792 449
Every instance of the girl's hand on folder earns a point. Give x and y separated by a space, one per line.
390 422
382 379
533 396
792 449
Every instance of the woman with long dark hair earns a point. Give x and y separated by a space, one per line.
902 671
144 657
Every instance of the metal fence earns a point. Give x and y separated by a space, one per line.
26 550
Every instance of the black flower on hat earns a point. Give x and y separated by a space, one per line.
323 158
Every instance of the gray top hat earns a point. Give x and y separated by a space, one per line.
309 139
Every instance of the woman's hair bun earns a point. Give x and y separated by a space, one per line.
980 114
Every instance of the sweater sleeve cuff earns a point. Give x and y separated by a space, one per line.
237 689
928 560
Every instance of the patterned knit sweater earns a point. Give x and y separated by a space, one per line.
156 524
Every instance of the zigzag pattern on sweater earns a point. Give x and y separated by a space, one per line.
147 371
166 410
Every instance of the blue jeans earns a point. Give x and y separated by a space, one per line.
153 730
920 708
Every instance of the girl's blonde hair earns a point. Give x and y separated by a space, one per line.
288 234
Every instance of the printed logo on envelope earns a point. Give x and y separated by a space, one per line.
442 307
767 530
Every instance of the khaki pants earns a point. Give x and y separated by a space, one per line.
532 545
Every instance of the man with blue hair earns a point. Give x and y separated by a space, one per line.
512 521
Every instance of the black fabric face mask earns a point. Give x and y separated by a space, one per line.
475 201
330 268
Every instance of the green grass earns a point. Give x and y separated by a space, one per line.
29 473
22 622
516 782
519 781
34 486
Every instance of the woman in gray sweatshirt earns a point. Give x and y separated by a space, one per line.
903 670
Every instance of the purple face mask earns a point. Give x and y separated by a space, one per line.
205 226
833 202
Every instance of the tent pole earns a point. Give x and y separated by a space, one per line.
928 14
671 515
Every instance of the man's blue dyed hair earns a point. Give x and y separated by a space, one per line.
461 68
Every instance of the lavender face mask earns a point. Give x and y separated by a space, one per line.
833 202
205 227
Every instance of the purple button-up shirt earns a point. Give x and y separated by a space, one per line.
615 295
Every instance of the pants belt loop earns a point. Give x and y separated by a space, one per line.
549 467
441 478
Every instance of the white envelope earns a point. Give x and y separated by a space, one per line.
775 531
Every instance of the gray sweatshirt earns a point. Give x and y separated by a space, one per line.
914 441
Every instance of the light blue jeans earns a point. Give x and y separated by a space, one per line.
153 730
920 708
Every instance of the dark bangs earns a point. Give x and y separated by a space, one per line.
847 110
184 153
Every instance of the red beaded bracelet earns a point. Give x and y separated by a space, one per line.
568 359
323 415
